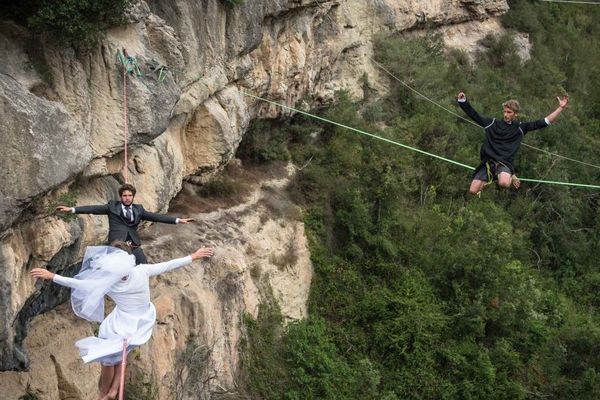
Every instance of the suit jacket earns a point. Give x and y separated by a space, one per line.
119 228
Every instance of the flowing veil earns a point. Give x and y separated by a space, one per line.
102 267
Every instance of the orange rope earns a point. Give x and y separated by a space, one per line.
125 118
123 364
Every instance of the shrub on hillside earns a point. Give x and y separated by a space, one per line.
76 21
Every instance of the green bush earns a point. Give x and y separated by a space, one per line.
419 290
193 369
29 395
139 386
77 21
67 199
264 141
263 368
219 187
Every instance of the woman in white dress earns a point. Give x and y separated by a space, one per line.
111 271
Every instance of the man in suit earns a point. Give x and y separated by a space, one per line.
124 218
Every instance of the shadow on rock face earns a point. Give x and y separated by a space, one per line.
47 298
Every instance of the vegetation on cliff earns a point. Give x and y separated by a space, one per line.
420 290
75 21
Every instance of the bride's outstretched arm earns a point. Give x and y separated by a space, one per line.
41 273
155 269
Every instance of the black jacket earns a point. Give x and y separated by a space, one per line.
502 140
118 226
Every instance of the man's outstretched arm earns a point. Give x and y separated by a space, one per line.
542 123
470 111
562 104
98 210
167 219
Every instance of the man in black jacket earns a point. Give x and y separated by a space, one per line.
502 141
124 218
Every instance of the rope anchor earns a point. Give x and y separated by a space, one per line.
129 63
131 67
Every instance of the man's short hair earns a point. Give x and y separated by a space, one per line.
513 105
127 186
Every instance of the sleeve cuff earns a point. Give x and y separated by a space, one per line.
72 210
461 100
547 121
176 220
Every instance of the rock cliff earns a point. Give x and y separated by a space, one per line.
62 135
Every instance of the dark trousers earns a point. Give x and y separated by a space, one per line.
140 257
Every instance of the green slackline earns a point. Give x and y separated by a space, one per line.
560 183
361 132
406 146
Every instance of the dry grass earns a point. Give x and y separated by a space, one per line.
227 190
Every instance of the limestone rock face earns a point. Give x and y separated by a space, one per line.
468 35
214 132
42 146
62 134
261 255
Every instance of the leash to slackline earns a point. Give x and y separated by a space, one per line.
448 160
452 112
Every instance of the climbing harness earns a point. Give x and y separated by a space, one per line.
490 173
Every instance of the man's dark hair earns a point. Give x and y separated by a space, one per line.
119 244
127 186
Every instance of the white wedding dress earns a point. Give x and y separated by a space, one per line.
134 315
